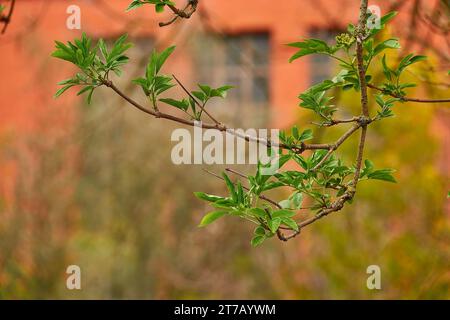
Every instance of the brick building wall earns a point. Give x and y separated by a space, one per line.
29 74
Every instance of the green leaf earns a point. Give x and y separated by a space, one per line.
183 104
258 212
383 21
87 88
230 186
387 44
93 65
274 224
89 97
64 52
417 59
315 98
207 197
379 100
161 84
159 7
295 132
240 193
259 231
290 223
310 46
199 95
135 4
206 89
297 200
383 174
211 217
285 204
282 213
103 49
386 70
119 48
351 28
409 60
144 85
221 92
62 90
224 203
301 161
368 164
257 240
163 57
407 85
159 4
306 135
388 17
150 71
68 81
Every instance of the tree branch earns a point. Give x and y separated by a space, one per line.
185 13
262 197
365 118
360 122
337 205
7 19
363 122
405 99
223 128
196 102
334 122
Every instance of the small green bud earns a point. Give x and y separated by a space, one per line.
345 40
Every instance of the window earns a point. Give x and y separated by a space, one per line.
241 61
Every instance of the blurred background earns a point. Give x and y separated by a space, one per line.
94 185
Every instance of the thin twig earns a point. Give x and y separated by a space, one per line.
280 235
337 144
362 80
335 206
359 158
240 174
406 99
196 102
7 19
262 197
269 143
334 122
322 161
237 173
185 13
363 121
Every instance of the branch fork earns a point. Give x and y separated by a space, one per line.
185 13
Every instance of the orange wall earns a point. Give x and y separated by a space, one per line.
29 75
